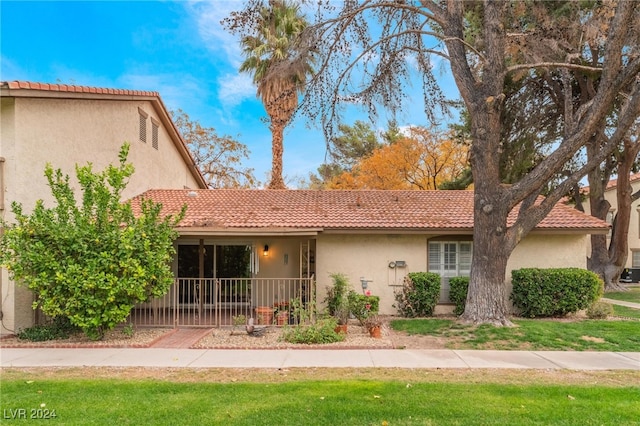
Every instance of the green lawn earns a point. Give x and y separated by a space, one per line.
309 402
594 335
626 312
633 295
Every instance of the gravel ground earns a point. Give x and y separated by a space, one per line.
142 337
230 338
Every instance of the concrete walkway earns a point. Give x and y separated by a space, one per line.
621 303
292 358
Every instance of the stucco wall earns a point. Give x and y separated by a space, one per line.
67 132
368 256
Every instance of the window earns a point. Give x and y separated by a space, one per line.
635 258
449 259
143 125
154 133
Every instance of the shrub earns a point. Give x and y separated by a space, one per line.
419 294
361 305
554 292
459 286
336 300
92 260
59 329
599 310
322 331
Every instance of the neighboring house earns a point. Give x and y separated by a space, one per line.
633 258
68 125
245 251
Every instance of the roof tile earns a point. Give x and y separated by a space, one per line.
349 209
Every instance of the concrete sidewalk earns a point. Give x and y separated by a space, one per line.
292 358
621 303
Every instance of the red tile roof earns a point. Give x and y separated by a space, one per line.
614 183
75 89
341 210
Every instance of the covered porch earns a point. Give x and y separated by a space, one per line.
222 278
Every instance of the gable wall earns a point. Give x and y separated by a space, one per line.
67 132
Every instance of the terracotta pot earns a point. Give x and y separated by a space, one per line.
341 328
375 332
264 315
282 318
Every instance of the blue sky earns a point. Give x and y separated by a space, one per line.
178 49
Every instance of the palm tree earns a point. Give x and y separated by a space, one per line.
279 70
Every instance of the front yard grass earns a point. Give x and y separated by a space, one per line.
349 401
626 312
530 334
633 295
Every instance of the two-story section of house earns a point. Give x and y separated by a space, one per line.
67 125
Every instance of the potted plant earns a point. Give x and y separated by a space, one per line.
373 324
239 321
341 314
337 301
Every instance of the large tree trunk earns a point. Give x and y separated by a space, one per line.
487 296
277 149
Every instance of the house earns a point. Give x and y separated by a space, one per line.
253 251
633 258
68 125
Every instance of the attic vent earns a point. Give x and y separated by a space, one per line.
143 125
154 133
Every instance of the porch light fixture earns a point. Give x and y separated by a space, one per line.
266 250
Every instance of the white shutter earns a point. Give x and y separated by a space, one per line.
465 259
434 258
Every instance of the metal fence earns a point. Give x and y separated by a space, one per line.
206 302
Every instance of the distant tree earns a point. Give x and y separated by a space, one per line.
219 158
351 145
371 51
280 70
90 263
421 161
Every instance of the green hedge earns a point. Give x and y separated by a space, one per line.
459 286
419 295
554 292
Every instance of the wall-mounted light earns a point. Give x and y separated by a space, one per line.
266 250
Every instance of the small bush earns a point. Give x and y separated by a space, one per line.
336 300
322 331
554 292
59 329
419 295
459 286
361 306
600 310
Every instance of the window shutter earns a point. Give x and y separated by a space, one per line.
434 257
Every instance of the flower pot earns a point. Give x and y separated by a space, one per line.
341 328
375 332
264 315
282 318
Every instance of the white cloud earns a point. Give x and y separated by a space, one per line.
208 15
233 89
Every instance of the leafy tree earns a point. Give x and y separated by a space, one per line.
384 46
279 68
90 263
351 145
219 158
422 160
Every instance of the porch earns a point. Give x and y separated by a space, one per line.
210 302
